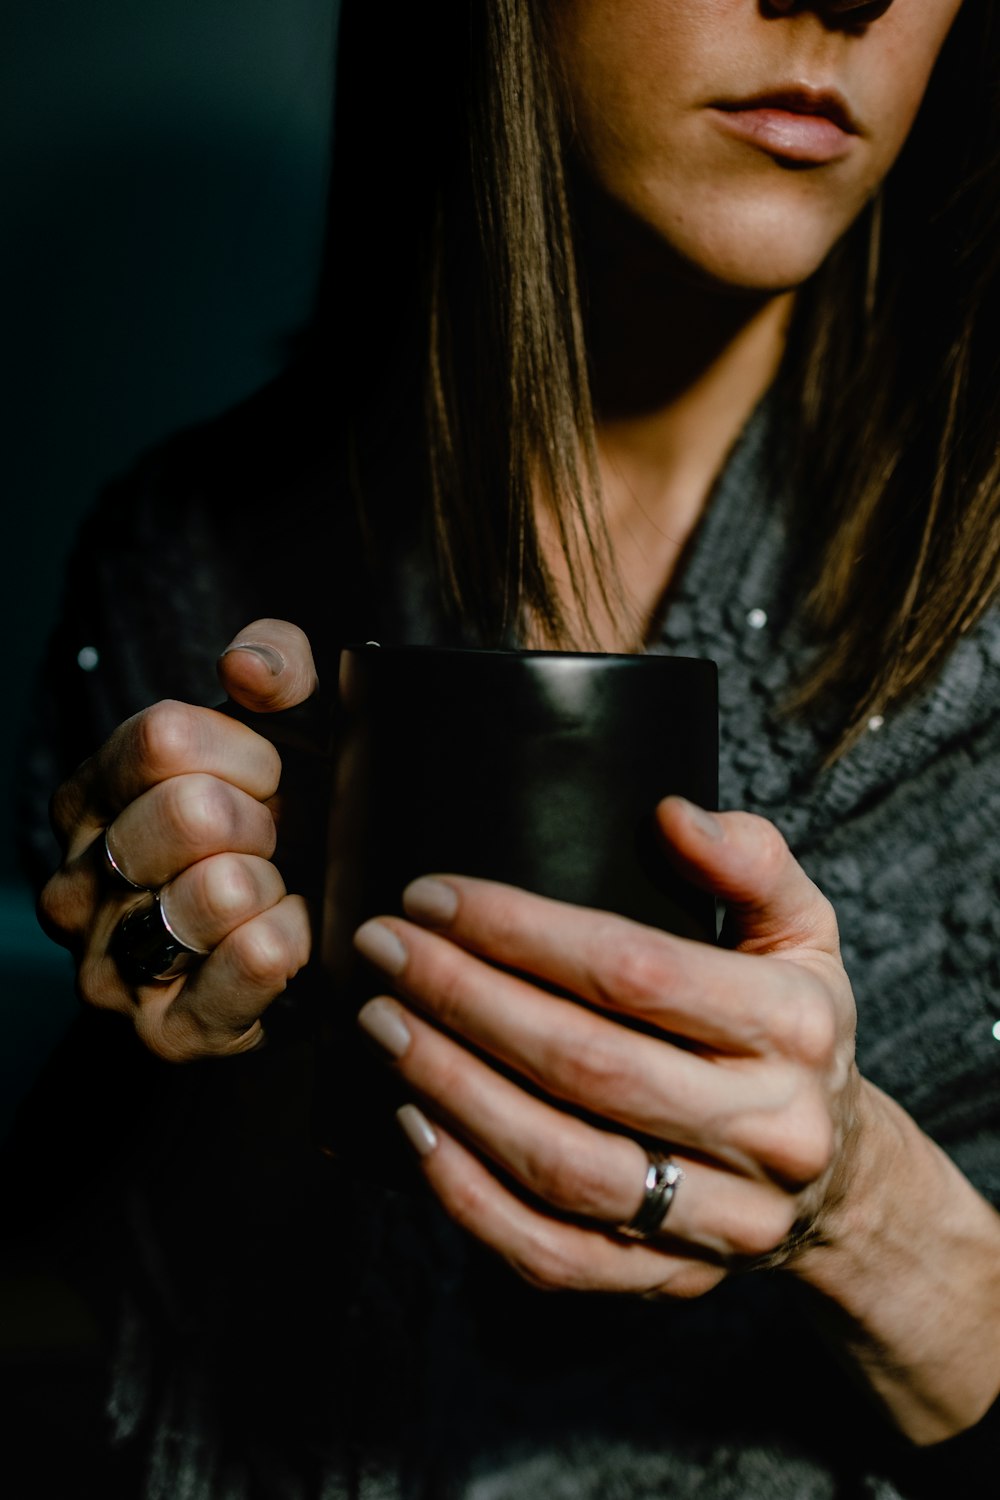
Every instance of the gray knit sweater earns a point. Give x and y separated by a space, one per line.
387 1356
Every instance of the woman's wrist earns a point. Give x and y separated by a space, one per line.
907 1267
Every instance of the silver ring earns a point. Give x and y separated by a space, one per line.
115 869
146 948
662 1176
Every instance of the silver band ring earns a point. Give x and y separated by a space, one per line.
146 948
662 1176
115 869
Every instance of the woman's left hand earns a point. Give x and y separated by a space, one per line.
741 1065
739 1062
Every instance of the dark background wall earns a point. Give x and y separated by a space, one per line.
164 171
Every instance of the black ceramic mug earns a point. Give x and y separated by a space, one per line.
537 768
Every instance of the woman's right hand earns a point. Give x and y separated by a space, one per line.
185 797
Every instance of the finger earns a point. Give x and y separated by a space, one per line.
215 1011
559 1046
71 901
187 819
268 666
706 994
569 1164
547 1252
758 1120
572 1165
772 904
170 739
99 981
204 903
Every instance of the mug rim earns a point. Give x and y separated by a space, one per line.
370 648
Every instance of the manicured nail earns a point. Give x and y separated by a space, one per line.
383 1023
431 901
273 660
417 1129
380 945
702 820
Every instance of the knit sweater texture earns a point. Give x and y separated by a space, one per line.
386 1354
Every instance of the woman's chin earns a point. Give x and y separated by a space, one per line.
761 244
753 238
762 267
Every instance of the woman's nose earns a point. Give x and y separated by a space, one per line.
856 11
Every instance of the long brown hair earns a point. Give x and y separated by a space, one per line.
468 367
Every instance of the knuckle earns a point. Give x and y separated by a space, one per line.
228 889
764 1231
50 906
166 735
595 1074
200 812
301 935
266 954
569 1179
57 910
633 972
545 1263
802 1146
813 1038
771 847
825 920
814 1145
465 1201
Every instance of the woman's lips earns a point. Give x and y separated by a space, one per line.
800 127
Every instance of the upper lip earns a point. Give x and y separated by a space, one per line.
800 99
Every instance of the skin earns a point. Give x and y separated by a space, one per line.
693 241
185 795
642 76
791 1158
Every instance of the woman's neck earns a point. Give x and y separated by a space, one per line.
677 368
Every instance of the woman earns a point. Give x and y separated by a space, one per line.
669 360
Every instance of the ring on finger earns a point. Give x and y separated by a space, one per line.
114 869
662 1177
146 948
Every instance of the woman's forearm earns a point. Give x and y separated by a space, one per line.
908 1271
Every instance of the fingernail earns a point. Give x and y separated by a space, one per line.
417 1129
431 901
380 945
273 660
383 1023
702 820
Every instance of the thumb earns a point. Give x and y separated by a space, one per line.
268 666
743 859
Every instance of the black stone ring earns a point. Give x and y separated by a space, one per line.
146 948
662 1176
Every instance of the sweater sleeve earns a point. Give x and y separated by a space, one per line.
223 524
161 1188
914 874
238 519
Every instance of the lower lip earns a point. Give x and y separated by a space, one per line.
792 137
